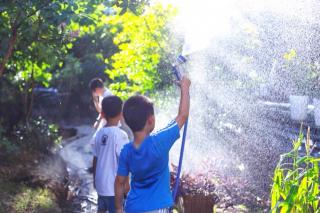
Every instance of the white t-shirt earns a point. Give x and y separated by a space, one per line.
108 142
106 93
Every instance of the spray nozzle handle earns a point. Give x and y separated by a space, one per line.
177 67
176 72
182 59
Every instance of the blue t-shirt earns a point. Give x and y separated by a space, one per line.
148 165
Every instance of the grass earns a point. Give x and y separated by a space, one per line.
18 197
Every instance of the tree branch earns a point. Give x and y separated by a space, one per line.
14 35
12 42
46 4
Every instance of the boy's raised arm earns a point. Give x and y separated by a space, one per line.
184 102
96 103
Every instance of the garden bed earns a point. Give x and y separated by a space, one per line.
19 197
205 192
33 182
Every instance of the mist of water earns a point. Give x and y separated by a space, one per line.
236 48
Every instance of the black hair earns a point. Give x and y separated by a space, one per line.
111 106
96 83
136 111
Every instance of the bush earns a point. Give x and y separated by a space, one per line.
35 200
37 135
296 181
11 110
6 147
196 191
20 197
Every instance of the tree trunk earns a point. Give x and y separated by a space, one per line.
12 42
29 103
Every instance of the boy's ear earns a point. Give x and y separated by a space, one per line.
151 120
103 115
121 115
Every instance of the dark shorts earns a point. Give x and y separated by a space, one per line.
106 203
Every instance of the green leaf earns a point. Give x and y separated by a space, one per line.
290 55
69 45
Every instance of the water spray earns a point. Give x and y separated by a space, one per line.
177 71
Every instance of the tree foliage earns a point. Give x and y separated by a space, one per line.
65 43
35 37
135 6
143 41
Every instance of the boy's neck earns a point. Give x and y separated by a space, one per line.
139 137
112 122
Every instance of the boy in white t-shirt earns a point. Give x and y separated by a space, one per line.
107 144
98 93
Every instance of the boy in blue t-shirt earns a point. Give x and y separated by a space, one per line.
147 157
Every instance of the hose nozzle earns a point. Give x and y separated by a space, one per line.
177 68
